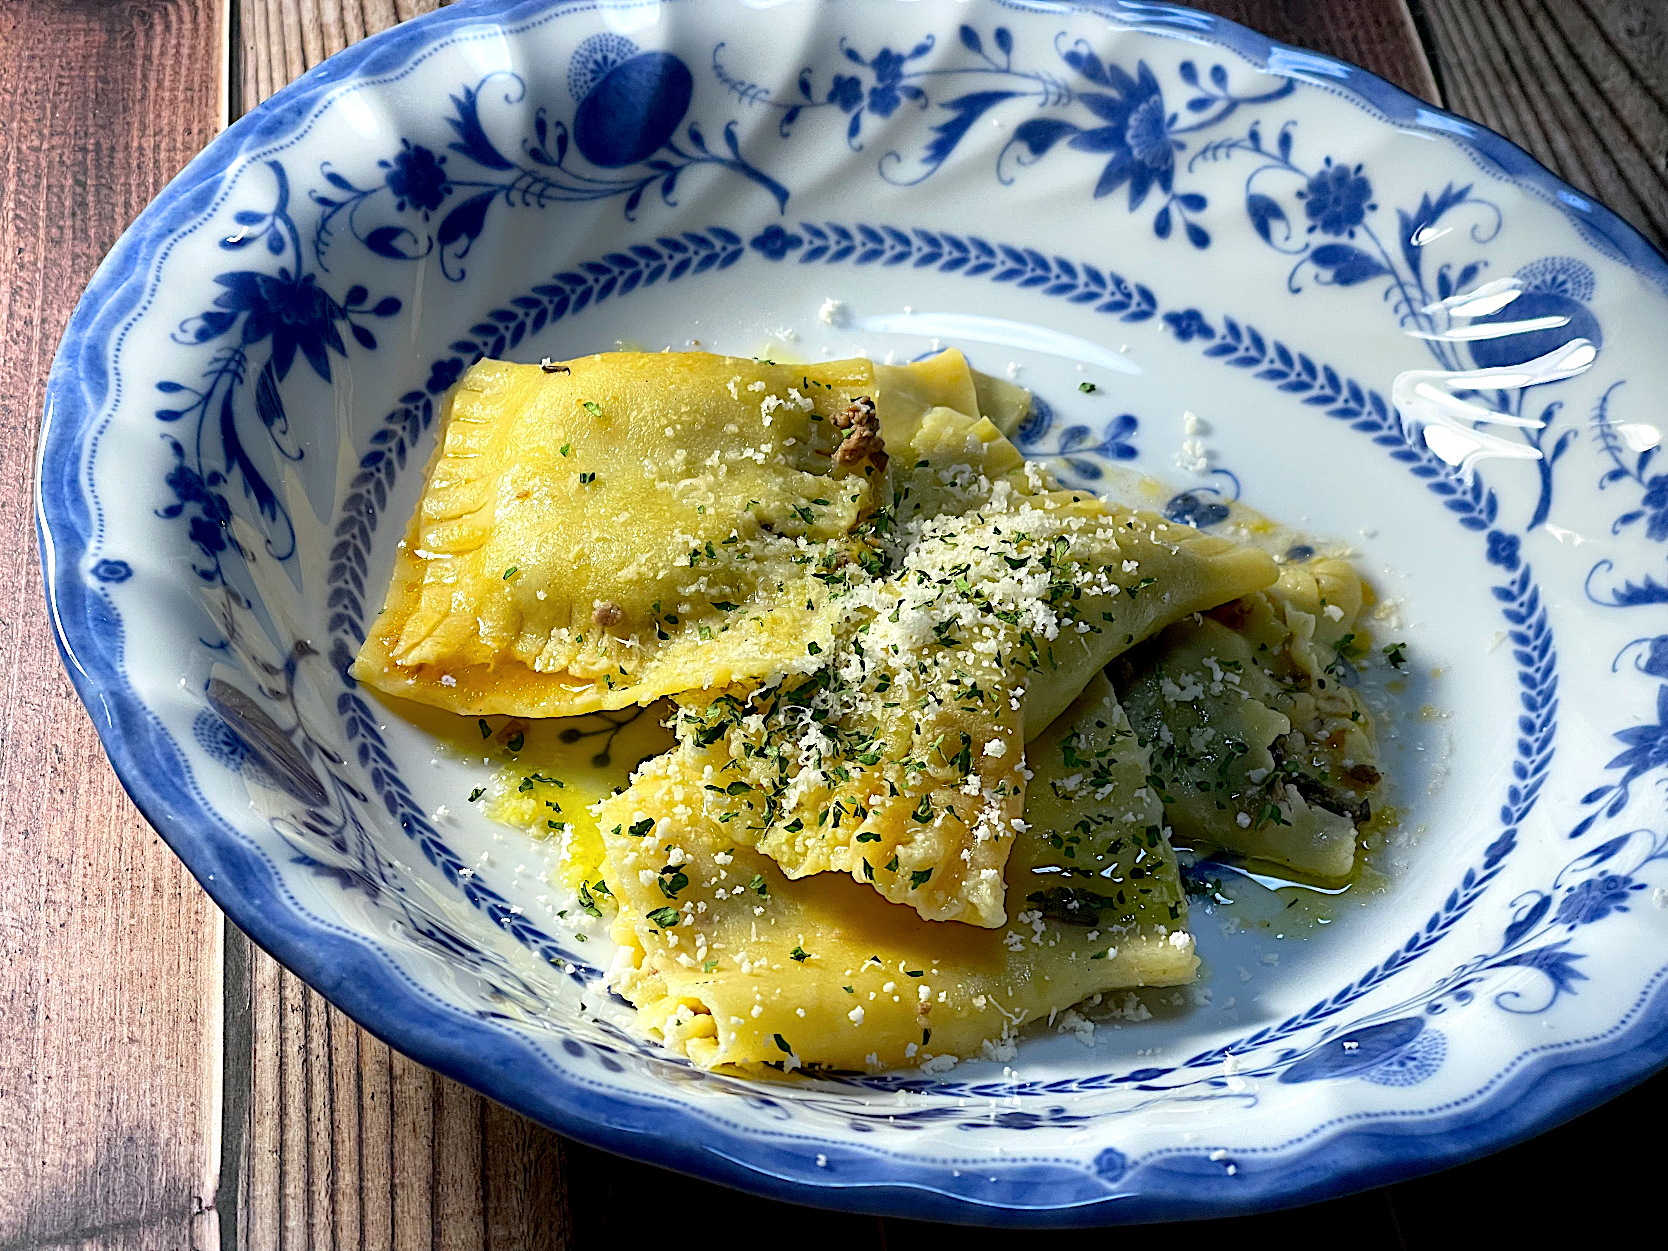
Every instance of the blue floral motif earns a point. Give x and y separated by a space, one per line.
1106 112
1356 1052
774 243
890 89
845 92
1343 247
1503 549
219 740
417 178
1196 509
1654 506
1550 288
1653 661
1647 750
1111 1164
1189 324
1595 899
630 108
1077 447
1415 1063
1630 465
592 60
443 374
112 571
288 314
1337 199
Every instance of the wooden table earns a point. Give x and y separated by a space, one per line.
165 1084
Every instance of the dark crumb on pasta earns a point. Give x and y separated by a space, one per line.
863 441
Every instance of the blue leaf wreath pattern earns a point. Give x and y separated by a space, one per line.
628 136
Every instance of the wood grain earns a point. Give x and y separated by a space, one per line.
279 40
1581 84
1378 35
109 952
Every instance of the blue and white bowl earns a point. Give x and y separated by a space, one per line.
1127 193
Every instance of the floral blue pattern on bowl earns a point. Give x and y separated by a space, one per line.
1266 238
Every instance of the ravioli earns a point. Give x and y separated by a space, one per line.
618 528
894 752
1260 743
732 962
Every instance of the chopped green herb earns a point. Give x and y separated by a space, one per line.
1396 654
1088 388
709 964
799 954
486 730
639 828
919 878
757 885
567 449
782 1043
586 902
516 741
511 572
591 407
666 917
476 793
585 479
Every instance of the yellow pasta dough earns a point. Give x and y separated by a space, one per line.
1261 743
623 527
732 962
893 753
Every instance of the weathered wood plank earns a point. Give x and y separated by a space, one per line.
1378 35
1581 84
278 40
109 952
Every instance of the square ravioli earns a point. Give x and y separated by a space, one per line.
896 753
732 962
620 527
